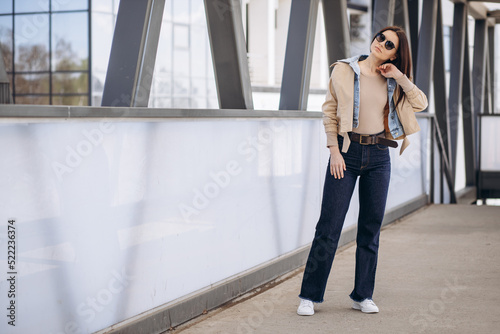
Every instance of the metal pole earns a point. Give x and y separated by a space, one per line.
383 14
229 55
468 119
426 46
298 55
133 53
456 73
336 29
439 84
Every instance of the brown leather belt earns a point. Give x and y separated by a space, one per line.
371 139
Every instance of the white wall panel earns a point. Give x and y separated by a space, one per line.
114 219
490 149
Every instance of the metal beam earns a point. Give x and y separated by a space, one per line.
479 65
298 55
413 10
491 63
486 97
456 73
478 72
336 29
478 10
468 119
440 98
229 56
401 18
383 14
426 46
133 53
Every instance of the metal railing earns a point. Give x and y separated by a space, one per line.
445 171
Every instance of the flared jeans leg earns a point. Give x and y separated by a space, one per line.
373 189
337 195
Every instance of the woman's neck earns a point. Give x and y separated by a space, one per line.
370 64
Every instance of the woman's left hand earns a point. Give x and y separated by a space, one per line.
390 71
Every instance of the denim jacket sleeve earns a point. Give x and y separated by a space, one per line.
329 109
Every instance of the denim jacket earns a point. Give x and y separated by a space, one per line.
341 108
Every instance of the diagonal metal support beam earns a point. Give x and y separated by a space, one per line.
487 95
336 29
426 46
402 19
468 119
413 10
133 53
491 48
401 15
383 14
456 72
479 74
298 55
440 98
229 55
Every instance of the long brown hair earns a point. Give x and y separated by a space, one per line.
403 54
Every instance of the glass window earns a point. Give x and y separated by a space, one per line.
58 5
5 7
70 46
199 103
181 11
181 36
70 100
103 6
32 42
68 83
181 62
197 11
181 87
116 4
199 51
102 37
161 102
32 100
163 84
199 87
182 103
6 41
30 6
167 11
164 52
32 83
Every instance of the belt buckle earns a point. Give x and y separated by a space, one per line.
361 139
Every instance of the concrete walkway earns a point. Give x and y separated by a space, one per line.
438 272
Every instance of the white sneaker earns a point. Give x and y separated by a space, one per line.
366 306
306 307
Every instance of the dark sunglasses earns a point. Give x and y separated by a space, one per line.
388 44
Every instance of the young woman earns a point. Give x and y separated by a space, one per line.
370 101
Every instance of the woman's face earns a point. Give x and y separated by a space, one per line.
379 49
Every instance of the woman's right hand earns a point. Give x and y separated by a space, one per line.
337 164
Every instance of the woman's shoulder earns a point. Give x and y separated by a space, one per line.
341 69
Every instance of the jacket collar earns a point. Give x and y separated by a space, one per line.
353 62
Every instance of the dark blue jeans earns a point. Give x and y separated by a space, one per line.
372 164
